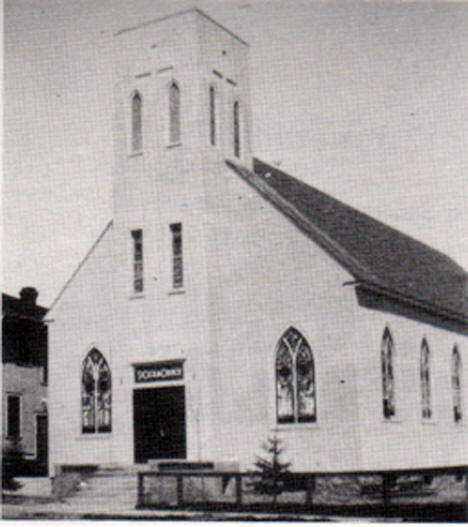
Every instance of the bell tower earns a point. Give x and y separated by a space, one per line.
181 108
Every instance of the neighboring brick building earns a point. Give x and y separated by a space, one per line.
24 392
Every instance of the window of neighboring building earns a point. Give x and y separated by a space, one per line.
236 129
137 236
96 399
177 262
212 116
295 379
14 416
387 352
425 380
456 385
137 136
174 113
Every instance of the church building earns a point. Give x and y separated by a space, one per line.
227 301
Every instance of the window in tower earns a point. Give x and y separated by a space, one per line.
137 136
174 113
236 124
212 116
177 262
137 236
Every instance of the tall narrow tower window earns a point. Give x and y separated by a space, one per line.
137 236
425 380
212 116
137 139
174 113
388 386
456 385
236 129
177 262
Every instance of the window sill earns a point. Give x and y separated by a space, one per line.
136 296
177 292
287 427
174 145
428 422
100 436
135 154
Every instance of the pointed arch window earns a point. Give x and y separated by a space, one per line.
236 124
295 379
425 374
212 116
137 135
96 397
174 113
387 352
456 385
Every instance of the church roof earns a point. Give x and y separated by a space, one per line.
378 256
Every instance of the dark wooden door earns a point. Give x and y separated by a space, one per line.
42 443
159 423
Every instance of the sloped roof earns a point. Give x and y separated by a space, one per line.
375 254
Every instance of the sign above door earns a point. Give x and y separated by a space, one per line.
169 370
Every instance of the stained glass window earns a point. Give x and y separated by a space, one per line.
425 380
388 384
174 113
96 398
456 385
136 123
295 379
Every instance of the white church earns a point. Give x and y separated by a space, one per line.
227 302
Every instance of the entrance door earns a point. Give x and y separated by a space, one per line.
41 443
159 423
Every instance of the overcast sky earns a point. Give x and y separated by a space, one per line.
366 101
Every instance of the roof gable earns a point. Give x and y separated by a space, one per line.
374 253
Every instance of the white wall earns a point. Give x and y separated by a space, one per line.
249 274
266 276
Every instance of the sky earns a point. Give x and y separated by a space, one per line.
365 101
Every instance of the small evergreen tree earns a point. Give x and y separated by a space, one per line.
268 477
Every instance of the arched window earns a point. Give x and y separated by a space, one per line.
236 129
387 352
425 380
96 400
137 139
174 113
212 116
295 379
456 385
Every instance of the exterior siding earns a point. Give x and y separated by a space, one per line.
249 274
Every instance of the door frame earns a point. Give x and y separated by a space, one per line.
156 386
